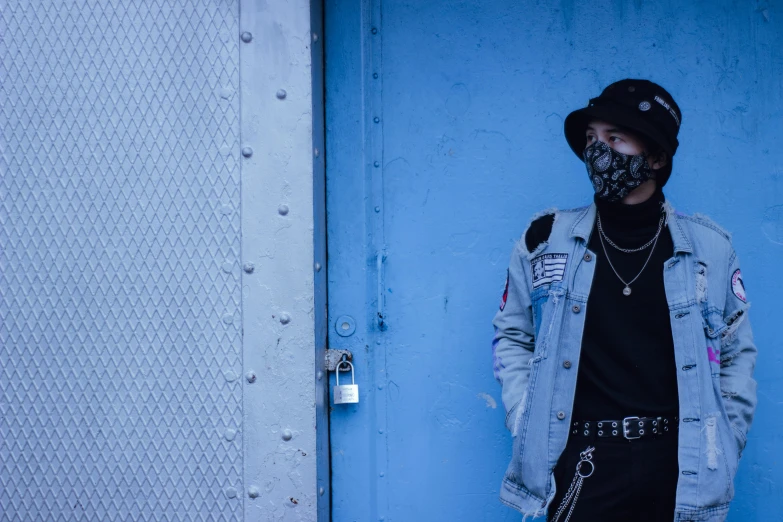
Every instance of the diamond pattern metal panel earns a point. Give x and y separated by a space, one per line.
120 319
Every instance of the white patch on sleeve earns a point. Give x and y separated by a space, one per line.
701 283
548 268
738 286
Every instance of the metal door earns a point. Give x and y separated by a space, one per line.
444 135
156 290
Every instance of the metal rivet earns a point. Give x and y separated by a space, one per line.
321 491
252 492
281 94
566 364
614 432
287 435
376 119
586 433
315 39
247 37
231 492
561 415
248 267
282 210
600 424
375 75
247 152
316 152
576 308
319 375
318 267
588 257
250 376
600 433
614 425
374 30
641 432
230 434
285 318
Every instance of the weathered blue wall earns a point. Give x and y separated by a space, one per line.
470 99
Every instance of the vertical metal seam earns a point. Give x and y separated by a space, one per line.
374 118
241 380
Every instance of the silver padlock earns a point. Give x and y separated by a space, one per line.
345 393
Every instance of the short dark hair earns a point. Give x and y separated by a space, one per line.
653 148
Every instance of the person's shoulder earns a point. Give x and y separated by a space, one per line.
705 225
542 223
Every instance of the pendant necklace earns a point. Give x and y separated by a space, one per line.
654 241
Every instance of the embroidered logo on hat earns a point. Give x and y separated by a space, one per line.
668 108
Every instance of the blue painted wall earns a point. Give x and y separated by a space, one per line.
470 99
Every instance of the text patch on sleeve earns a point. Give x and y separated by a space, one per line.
737 286
505 294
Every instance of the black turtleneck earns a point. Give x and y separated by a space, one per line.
627 364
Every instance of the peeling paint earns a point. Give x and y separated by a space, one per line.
491 403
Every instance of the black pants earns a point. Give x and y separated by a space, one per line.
633 480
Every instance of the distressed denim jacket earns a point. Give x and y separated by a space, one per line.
540 325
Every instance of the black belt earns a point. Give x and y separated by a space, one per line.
630 428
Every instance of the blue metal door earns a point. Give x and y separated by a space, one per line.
444 135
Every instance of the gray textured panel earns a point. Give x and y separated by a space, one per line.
120 318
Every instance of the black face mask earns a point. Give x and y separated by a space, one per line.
614 174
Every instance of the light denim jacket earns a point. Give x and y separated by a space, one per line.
540 326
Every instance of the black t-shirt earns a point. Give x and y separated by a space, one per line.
627 364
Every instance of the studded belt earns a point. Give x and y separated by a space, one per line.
630 428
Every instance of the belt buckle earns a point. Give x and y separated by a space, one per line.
626 420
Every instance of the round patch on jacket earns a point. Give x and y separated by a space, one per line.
737 286
505 294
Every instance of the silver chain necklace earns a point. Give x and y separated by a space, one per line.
630 250
627 289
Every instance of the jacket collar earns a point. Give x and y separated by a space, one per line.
583 226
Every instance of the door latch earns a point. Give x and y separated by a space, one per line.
333 359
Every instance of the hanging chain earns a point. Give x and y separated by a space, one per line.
630 250
627 289
572 495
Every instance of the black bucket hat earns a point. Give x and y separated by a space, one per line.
640 105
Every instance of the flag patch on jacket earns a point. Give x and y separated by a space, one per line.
548 268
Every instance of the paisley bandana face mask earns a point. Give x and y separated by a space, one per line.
614 174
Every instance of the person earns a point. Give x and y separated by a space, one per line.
622 343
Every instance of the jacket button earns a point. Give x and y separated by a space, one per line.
561 415
576 309
566 364
588 257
